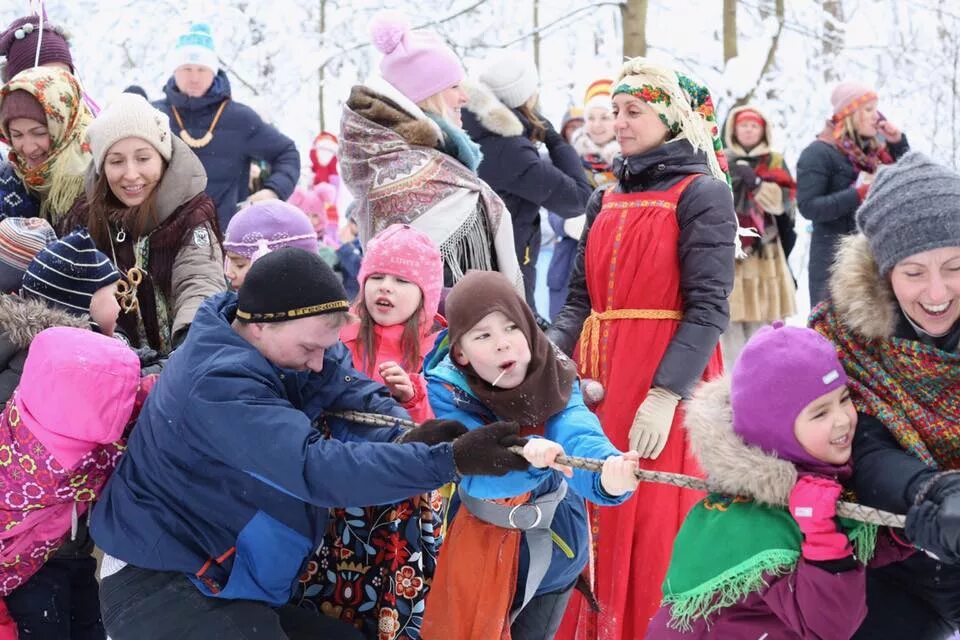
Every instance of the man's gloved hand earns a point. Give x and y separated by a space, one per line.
651 425
933 523
746 174
484 451
813 505
434 432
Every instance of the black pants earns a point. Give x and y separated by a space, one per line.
918 599
139 604
60 602
541 618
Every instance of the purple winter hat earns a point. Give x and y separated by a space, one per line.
18 44
267 226
779 372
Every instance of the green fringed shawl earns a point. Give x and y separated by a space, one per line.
729 548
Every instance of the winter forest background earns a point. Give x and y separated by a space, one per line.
295 60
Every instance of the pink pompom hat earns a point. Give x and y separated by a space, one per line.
417 63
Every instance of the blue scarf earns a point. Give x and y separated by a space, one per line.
458 144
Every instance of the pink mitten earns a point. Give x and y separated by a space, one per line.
813 504
8 628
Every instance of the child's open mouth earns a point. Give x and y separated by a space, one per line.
842 440
383 303
506 366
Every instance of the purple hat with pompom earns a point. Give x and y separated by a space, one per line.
269 225
417 63
779 372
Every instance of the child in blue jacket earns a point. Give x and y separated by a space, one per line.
518 542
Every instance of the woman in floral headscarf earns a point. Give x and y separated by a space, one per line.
648 302
44 120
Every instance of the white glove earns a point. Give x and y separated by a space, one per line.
651 425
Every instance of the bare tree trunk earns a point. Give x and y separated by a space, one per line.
729 29
832 42
536 34
320 73
634 14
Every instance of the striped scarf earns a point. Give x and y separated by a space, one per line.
910 387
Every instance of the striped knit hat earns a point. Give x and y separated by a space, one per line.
21 239
68 272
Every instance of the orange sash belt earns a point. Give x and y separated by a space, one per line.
590 335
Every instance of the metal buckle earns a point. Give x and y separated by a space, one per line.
513 512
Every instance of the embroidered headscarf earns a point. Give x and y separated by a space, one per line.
59 179
684 107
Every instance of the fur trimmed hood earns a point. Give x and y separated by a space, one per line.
584 146
493 115
22 319
862 298
728 142
732 466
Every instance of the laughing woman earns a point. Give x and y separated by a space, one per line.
43 119
146 208
894 315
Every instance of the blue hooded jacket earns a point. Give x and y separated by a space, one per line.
575 428
239 138
226 477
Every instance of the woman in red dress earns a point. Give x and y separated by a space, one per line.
648 302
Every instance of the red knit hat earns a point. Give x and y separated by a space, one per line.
20 104
749 115
18 44
400 250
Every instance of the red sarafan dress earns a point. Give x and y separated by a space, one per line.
633 277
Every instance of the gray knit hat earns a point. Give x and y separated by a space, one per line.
511 76
912 206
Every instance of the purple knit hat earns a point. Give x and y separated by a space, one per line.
779 372
18 44
267 226
417 63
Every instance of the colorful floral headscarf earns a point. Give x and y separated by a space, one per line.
684 107
59 180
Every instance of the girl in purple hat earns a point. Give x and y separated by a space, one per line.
778 431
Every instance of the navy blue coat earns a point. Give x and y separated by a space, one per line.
526 181
826 196
15 200
226 479
239 138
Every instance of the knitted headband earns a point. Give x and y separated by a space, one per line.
683 106
749 115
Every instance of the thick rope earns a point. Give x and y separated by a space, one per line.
850 510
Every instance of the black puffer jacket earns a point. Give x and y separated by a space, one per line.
826 196
525 180
707 234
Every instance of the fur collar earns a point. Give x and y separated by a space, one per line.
21 319
379 102
584 146
493 115
862 298
732 466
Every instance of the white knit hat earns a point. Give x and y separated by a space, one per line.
511 76
129 116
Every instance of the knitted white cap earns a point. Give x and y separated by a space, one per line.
129 116
195 47
511 76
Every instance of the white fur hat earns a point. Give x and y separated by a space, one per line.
129 116
511 76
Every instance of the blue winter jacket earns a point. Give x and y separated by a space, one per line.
575 428
15 200
239 138
227 480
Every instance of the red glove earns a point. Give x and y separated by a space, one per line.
8 628
813 504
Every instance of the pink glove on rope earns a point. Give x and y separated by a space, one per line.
813 504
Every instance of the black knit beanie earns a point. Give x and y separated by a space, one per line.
287 284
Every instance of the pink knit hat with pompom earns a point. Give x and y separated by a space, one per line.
417 63
847 97
402 251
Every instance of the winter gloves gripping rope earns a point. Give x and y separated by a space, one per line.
813 505
933 522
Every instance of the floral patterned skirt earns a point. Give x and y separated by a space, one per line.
375 566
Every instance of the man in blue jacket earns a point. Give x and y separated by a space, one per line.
226 135
223 492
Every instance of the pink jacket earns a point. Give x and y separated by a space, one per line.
389 348
60 439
